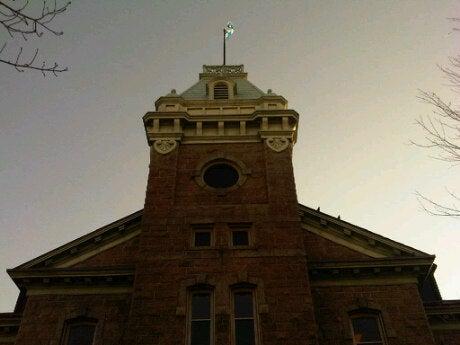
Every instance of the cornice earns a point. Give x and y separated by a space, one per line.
443 315
9 327
109 234
227 117
353 236
77 277
419 268
219 102
180 126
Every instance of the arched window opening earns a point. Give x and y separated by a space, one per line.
367 328
201 320
79 331
220 91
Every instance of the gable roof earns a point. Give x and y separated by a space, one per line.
88 245
331 228
353 236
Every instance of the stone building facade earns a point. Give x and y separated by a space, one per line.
222 252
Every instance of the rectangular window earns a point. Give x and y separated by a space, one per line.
202 239
240 235
202 235
243 313
367 330
240 238
79 331
201 321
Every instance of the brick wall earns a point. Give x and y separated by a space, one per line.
400 305
447 336
44 316
123 254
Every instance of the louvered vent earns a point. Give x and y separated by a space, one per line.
220 91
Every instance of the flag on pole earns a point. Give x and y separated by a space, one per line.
229 30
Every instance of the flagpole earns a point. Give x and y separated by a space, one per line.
224 44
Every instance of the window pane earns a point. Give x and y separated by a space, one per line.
201 306
366 329
240 238
203 239
81 334
244 332
201 333
243 304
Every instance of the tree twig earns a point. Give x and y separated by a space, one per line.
17 23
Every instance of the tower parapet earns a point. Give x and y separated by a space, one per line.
222 107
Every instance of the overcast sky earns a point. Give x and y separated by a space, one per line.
73 154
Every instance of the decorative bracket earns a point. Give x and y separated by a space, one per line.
165 145
277 144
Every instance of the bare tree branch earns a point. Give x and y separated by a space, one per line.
17 23
457 20
437 209
21 66
442 133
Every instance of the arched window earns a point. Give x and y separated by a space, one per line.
220 91
201 316
367 327
244 317
79 331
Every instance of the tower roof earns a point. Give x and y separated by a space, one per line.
246 90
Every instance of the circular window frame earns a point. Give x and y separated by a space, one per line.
237 164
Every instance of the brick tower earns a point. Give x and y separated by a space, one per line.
221 254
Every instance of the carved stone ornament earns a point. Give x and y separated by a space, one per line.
165 145
277 144
226 69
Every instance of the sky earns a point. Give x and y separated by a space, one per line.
73 153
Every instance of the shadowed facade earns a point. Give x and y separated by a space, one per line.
222 252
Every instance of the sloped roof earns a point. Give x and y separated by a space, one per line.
103 238
245 90
329 227
353 236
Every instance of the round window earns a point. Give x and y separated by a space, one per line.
221 175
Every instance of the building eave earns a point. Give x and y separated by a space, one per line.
76 277
443 315
106 234
126 226
342 232
9 327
